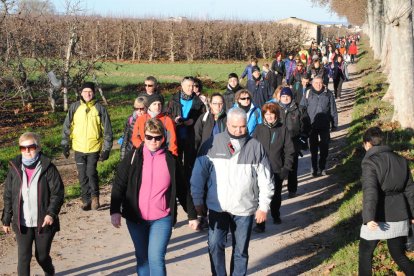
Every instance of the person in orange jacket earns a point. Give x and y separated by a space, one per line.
353 50
155 107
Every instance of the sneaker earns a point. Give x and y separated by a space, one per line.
277 221
86 206
95 203
323 172
259 228
292 194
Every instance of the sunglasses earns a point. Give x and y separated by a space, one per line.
139 108
31 147
150 137
246 98
149 85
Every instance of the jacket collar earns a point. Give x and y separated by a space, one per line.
377 149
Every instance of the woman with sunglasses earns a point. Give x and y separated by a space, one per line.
139 110
144 192
33 196
243 99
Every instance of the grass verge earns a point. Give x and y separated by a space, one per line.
369 110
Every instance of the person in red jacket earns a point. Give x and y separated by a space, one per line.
155 106
353 50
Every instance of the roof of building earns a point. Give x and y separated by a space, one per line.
298 19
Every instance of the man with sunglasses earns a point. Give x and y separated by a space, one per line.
151 87
87 128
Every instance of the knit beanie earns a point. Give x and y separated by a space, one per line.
155 98
88 84
233 75
286 91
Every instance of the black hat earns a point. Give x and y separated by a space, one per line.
233 75
88 84
155 98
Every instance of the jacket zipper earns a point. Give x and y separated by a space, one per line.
20 195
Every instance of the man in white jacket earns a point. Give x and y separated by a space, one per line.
232 173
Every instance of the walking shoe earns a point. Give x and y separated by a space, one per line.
315 173
323 172
86 205
277 221
259 228
292 194
95 203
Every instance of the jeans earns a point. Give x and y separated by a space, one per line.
88 175
150 238
43 243
396 247
322 145
241 229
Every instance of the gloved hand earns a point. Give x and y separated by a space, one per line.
66 151
303 143
104 155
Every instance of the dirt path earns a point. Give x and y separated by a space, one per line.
88 244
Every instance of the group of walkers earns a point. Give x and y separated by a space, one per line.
224 156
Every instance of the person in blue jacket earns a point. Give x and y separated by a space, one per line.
248 71
243 99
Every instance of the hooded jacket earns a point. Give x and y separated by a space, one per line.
50 194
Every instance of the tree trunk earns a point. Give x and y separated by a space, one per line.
152 41
172 44
378 9
69 52
370 20
402 61
262 45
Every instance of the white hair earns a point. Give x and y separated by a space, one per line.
236 112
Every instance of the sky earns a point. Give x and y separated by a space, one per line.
261 10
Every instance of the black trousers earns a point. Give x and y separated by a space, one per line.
352 58
319 140
276 200
43 243
87 174
187 156
293 175
338 87
396 247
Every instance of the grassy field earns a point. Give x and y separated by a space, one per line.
120 82
368 111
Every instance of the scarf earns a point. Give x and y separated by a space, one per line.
245 108
186 97
31 162
269 125
257 79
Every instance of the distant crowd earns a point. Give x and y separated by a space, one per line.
224 156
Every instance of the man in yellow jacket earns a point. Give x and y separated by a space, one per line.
88 129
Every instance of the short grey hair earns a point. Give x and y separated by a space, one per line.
30 136
236 112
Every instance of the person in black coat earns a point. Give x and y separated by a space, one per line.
232 87
211 122
339 75
33 196
276 140
144 192
260 88
320 105
295 81
388 203
297 122
184 108
278 67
